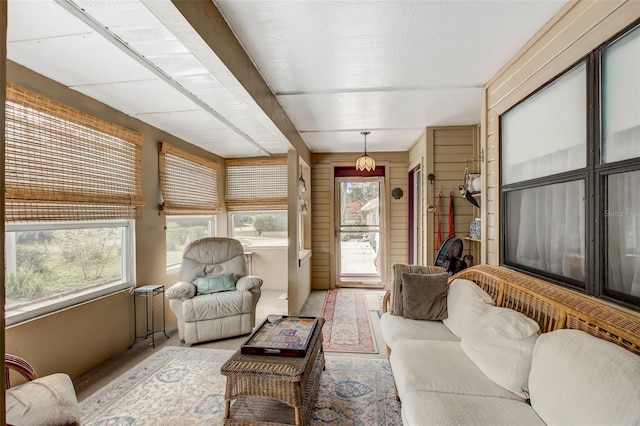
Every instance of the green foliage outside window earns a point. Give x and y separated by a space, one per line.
55 263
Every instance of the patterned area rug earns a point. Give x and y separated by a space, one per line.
348 323
183 386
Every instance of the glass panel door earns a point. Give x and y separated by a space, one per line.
358 230
415 216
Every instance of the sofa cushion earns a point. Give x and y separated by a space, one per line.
215 283
501 344
47 400
424 296
396 285
466 302
578 379
394 327
423 408
439 366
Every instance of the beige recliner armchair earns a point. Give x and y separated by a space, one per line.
214 298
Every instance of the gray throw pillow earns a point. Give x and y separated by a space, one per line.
424 296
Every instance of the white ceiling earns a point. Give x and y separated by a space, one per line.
337 67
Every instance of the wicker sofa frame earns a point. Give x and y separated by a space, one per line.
552 306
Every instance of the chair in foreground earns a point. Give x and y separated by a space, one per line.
215 298
47 400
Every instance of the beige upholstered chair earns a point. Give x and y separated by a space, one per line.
227 308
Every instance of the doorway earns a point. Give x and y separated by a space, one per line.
359 235
415 216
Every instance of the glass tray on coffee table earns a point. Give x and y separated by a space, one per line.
285 336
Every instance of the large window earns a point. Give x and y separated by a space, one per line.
257 199
73 190
51 266
259 229
618 169
570 174
546 219
547 229
189 186
181 230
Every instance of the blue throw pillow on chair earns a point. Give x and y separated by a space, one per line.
215 284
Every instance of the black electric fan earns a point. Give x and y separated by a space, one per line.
449 256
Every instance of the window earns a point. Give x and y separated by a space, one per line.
256 185
546 218
547 134
570 176
189 183
189 186
259 229
52 266
257 200
181 230
64 165
73 188
547 229
618 171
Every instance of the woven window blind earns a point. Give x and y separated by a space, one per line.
189 183
65 165
256 184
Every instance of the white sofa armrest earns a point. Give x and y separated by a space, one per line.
181 290
248 283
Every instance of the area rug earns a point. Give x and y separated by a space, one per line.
183 386
348 322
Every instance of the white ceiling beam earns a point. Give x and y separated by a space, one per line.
205 18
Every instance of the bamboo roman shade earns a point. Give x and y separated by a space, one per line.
189 183
65 165
257 184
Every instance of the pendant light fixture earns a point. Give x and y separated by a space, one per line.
365 162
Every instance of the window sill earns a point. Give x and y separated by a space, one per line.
304 256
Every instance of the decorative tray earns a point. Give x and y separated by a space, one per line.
281 336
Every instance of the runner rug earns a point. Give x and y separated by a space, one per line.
183 386
348 322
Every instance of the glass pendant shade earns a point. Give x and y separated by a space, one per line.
365 162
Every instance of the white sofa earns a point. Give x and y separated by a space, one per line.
491 365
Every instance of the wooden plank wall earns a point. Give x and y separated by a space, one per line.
322 201
447 150
417 157
576 30
321 220
398 230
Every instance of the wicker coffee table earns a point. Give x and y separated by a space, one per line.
274 390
